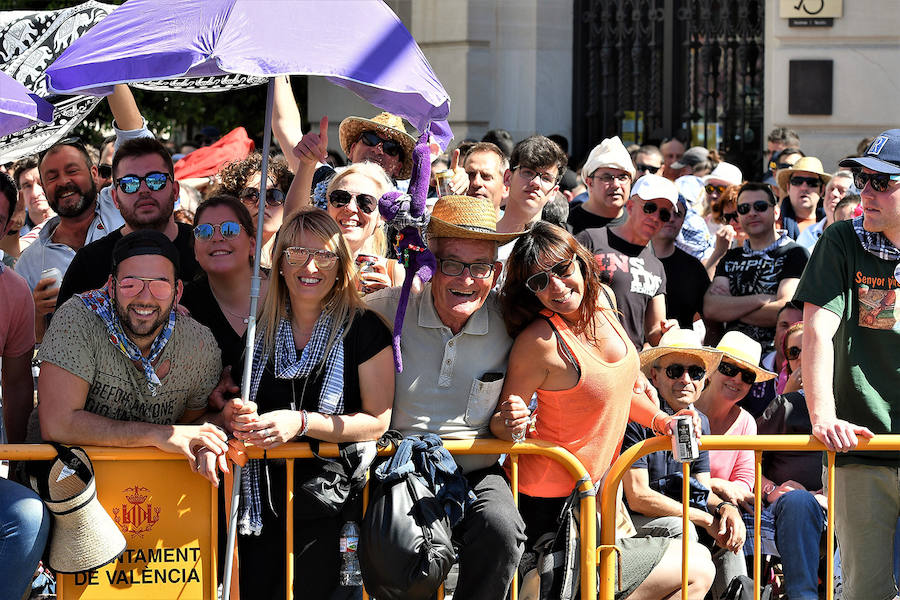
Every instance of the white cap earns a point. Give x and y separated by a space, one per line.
654 187
726 172
689 186
611 154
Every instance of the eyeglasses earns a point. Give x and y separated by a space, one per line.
228 229
529 174
646 168
729 370
810 181
715 189
675 371
878 181
608 178
730 216
540 280
341 198
298 256
455 268
274 196
129 287
105 171
650 207
390 147
132 183
759 206
793 352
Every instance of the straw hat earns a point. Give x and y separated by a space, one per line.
386 125
810 164
745 351
84 537
468 218
680 341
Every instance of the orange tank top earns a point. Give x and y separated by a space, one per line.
588 419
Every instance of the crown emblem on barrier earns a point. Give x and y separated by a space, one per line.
136 516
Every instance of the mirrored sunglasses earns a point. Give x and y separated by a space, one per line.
878 181
793 352
715 189
228 229
539 281
274 196
455 268
341 198
129 287
650 207
390 147
131 183
298 256
675 371
759 206
729 370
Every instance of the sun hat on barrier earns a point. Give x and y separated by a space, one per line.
744 351
83 536
387 125
680 341
468 218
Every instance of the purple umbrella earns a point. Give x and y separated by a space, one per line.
19 108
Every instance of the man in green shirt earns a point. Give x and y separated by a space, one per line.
851 373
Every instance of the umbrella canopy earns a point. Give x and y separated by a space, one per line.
19 108
358 44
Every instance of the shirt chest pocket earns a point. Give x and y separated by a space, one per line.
483 400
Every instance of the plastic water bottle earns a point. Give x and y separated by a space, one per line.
350 574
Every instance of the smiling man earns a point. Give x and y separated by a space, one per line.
144 190
485 164
608 174
455 350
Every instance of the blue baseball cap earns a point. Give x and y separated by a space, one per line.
883 155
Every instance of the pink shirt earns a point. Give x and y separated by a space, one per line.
16 314
735 465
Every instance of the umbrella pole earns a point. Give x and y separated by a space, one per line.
251 328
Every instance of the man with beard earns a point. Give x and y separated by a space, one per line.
121 368
144 189
68 177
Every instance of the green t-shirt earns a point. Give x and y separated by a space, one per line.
188 367
861 288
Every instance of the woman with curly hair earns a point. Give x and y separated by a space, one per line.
241 179
723 222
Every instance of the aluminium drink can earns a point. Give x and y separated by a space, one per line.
684 443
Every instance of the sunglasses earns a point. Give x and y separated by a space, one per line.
715 189
810 181
729 370
730 216
773 166
390 147
298 256
878 181
455 268
129 287
274 196
646 168
539 281
105 171
650 207
759 206
228 229
131 183
341 198
675 371
793 352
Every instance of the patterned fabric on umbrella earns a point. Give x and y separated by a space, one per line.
19 108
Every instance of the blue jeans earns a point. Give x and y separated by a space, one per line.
799 522
24 527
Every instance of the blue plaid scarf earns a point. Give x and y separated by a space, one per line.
874 242
101 304
288 366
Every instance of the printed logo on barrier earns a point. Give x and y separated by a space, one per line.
137 516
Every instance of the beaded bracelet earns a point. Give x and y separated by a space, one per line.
305 427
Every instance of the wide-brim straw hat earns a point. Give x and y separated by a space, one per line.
84 537
468 218
744 351
387 125
680 341
810 164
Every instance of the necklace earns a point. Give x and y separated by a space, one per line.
245 319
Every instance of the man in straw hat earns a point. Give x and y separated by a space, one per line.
804 183
608 174
851 373
678 367
122 368
455 349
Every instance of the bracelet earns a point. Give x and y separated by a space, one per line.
723 505
653 423
305 427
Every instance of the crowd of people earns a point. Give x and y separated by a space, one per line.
586 308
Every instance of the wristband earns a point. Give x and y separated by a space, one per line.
723 505
305 427
653 423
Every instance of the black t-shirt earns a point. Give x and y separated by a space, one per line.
633 272
198 298
752 272
92 265
580 219
687 300
788 414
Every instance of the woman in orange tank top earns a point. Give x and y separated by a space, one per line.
572 352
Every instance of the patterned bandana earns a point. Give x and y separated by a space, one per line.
781 241
101 304
874 242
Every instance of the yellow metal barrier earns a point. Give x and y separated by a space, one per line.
757 443
19 452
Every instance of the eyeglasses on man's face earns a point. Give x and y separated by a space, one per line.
455 268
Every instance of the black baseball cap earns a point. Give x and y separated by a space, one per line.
145 242
883 155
